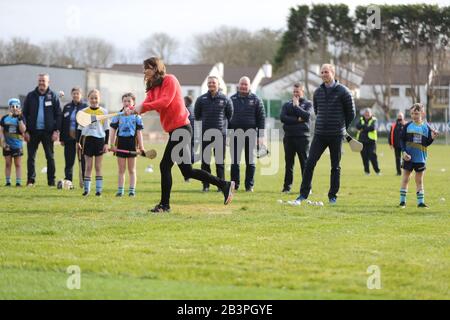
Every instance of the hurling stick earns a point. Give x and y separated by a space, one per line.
84 119
355 145
151 154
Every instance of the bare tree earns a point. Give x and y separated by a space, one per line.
161 45
19 50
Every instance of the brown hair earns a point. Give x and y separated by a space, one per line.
299 85
94 91
76 89
160 71
417 107
130 95
188 100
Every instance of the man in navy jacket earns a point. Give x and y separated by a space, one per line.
213 109
295 116
42 114
335 110
249 116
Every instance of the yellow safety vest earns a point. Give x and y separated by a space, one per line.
371 134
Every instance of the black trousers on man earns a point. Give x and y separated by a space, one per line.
219 156
294 146
70 153
248 147
185 166
44 137
398 156
369 154
318 146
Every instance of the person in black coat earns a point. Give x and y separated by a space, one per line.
295 116
394 140
69 128
249 116
214 110
335 110
42 113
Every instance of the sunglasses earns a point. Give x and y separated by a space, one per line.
15 106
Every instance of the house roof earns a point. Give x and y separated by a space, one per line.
401 75
233 74
40 65
187 74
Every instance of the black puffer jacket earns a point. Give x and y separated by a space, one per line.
289 117
214 112
52 110
248 112
334 108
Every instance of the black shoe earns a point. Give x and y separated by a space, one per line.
228 192
18 185
85 194
119 194
30 183
8 184
98 194
52 184
160 208
402 205
249 189
422 205
131 194
286 190
187 180
205 189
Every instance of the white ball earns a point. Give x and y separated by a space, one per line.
442 199
320 203
280 201
309 202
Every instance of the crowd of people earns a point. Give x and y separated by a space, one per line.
41 120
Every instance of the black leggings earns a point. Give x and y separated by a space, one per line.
185 165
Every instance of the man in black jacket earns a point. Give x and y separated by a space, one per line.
295 116
367 135
42 114
335 110
69 128
249 116
394 139
213 109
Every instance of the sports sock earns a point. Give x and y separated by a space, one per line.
87 184
18 181
99 184
403 195
132 190
420 196
120 190
8 179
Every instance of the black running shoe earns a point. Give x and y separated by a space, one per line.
98 194
402 205
160 208
422 205
8 184
119 194
132 194
18 185
228 192
85 194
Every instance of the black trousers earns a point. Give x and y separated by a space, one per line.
70 153
248 146
294 146
398 156
219 156
369 154
318 146
44 137
185 166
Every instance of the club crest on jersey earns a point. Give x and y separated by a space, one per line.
251 102
221 102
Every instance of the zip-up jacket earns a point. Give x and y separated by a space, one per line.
395 134
289 117
52 110
66 118
334 108
214 112
248 112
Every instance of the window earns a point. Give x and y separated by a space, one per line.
395 92
441 96
409 92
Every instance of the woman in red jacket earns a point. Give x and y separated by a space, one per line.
165 97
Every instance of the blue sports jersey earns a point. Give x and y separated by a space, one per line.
13 137
127 125
415 139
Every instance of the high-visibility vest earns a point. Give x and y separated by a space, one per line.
371 134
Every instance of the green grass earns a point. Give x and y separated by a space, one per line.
255 248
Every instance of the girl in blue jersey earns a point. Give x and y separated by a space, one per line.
415 138
126 132
12 128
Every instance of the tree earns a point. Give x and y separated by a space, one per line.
19 50
236 47
160 45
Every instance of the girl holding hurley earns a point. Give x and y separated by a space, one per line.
165 97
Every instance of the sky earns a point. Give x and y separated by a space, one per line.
127 23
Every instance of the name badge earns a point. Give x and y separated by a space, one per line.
66 114
48 103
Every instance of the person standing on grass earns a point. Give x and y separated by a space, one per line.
335 110
367 135
69 128
42 114
249 116
126 132
94 143
188 102
214 109
164 96
394 140
295 116
12 128
415 138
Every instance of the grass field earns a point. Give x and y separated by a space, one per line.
255 248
